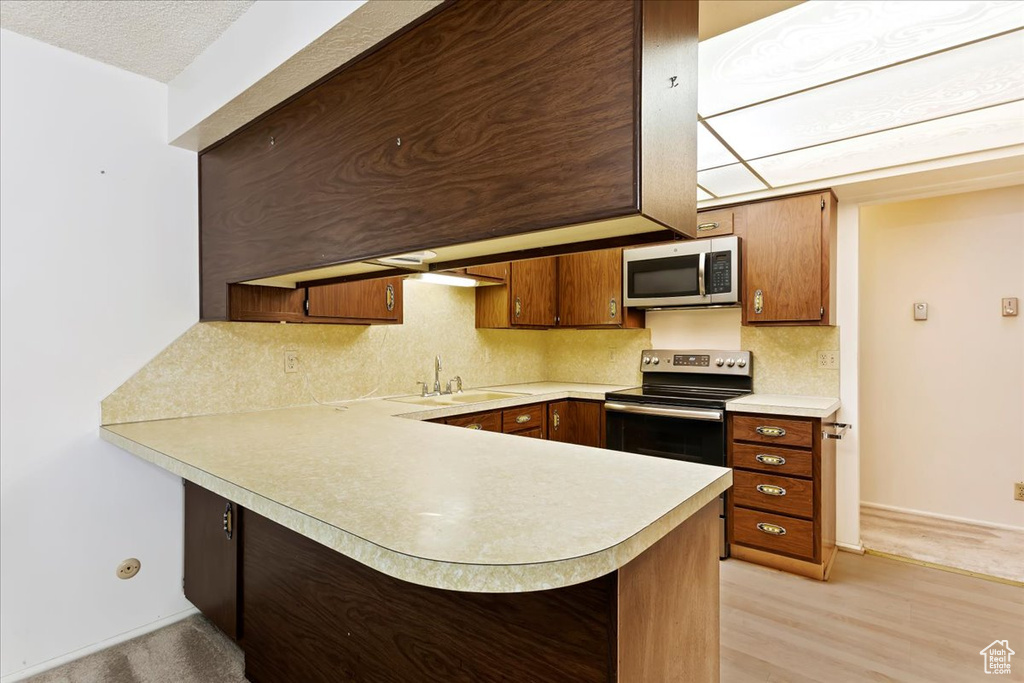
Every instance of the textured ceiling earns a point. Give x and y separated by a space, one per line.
154 38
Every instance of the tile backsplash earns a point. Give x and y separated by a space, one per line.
786 359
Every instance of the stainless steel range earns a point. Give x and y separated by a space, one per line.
679 412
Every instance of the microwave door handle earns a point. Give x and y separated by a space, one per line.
700 274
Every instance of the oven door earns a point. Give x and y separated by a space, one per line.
689 434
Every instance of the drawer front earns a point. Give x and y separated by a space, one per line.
778 494
773 430
532 433
488 422
523 417
714 223
772 460
774 533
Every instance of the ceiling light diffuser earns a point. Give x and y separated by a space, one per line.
702 195
979 75
819 42
711 152
729 180
1000 126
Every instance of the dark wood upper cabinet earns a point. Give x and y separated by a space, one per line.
258 303
789 260
488 119
375 301
534 292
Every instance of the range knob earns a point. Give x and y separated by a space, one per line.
719 362
655 360
741 363
647 360
731 362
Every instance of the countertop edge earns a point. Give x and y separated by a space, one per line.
474 578
739 406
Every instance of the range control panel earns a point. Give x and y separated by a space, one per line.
704 361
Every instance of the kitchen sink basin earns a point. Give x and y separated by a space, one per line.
470 396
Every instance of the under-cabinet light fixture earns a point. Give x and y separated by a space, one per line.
444 279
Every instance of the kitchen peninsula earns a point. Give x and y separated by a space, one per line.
378 547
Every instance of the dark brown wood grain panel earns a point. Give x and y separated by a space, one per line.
314 615
533 291
257 303
798 499
796 463
559 424
365 300
496 271
799 432
590 289
798 540
588 422
493 307
489 119
488 422
211 558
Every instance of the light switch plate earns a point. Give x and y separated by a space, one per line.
1010 307
920 311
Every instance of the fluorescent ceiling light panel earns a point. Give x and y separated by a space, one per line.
990 128
729 180
819 42
970 77
711 152
702 195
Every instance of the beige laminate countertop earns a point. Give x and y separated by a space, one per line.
784 404
431 504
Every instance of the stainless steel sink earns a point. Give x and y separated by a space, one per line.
471 396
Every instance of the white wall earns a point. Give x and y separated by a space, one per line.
713 328
942 401
848 315
98 261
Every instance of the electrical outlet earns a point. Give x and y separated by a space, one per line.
828 360
128 568
1018 491
291 361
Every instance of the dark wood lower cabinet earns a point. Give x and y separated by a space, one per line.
313 615
576 421
212 549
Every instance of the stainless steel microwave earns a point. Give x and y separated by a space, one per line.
691 273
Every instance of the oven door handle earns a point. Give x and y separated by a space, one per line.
680 413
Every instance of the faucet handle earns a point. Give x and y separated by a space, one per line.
423 390
458 383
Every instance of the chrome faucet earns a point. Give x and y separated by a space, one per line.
437 382
437 374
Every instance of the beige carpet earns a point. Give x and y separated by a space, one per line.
190 651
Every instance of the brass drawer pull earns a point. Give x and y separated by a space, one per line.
771 431
770 490
475 425
556 420
758 301
774 460
518 307
228 521
389 297
707 226
773 529
524 418
613 308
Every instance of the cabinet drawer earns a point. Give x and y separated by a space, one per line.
774 533
488 422
770 429
523 417
773 460
715 223
778 494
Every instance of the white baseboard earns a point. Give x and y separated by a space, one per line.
935 515
96 647
850 548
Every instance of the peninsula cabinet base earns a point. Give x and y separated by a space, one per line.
311 614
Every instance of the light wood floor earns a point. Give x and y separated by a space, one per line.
875 620
969 547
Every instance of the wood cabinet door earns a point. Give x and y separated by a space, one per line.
590 288
534 292
577 422
212 528
365 300
497 271
783 260
257 303
559 427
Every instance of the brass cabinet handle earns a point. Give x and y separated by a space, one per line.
612 307
758 301
389 297
702 227
765 459
524 418
770 490
228 521
556 419
519 306
773 529
774 432
475 425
